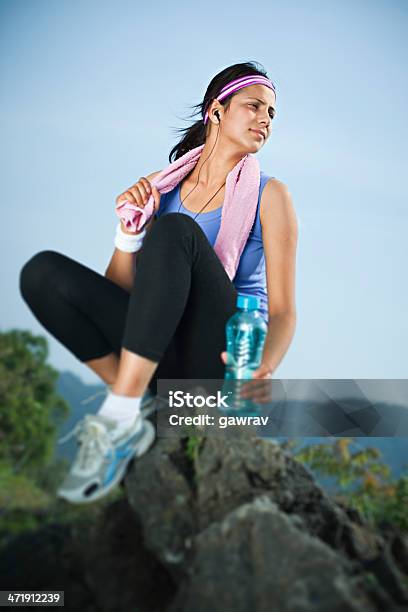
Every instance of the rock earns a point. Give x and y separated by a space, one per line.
192 499
362 543
237 525
160 491
388 575
39 561
103 566
257 559
399 549
118 569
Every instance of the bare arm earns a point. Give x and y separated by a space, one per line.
280 234
122 266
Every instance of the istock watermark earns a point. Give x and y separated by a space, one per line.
294 407
179 399
209 407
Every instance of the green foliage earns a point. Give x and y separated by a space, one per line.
33 516
397 512
29 405
365 482
19 491
21 499
30 410
193 447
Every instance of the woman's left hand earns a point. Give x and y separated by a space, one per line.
259 388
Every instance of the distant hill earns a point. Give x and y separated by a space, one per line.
75 391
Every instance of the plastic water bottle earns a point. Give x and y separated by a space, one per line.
245 334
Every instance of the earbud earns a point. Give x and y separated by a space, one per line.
217 114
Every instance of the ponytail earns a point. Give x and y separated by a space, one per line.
194 136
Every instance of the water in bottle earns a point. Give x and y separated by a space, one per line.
245 335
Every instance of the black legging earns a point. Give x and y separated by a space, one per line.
175 314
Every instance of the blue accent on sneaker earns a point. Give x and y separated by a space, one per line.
115 462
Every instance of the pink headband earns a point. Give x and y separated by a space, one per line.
238 84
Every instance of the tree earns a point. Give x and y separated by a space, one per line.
30 408
364 481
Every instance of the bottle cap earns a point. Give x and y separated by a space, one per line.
249 302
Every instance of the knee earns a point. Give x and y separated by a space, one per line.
175 223
35 273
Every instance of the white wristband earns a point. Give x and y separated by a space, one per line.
128 243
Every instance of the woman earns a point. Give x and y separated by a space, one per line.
160 310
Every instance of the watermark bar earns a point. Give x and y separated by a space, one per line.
282 407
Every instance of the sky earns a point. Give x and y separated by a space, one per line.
91 94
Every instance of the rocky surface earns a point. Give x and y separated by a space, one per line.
242 526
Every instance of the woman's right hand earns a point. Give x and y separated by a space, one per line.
139 195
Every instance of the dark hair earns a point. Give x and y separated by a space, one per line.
195 135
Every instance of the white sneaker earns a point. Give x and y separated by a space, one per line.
102 457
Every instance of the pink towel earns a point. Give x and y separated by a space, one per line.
238 211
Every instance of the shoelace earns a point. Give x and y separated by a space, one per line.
79 428
94 441
92 438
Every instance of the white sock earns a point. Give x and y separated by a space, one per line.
122 409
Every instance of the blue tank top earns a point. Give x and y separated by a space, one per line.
250 277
